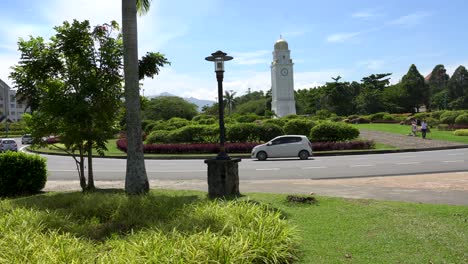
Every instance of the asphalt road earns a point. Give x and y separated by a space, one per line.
64 168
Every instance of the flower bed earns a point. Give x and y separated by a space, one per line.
208 148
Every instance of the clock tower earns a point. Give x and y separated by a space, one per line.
282 83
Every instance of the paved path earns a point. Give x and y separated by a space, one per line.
405 142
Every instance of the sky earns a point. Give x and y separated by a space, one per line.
352 39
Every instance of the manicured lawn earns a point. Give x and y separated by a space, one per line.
186 227
405 130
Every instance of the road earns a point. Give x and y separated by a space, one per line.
64 168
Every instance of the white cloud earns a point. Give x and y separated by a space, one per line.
251 58
409 20
341 37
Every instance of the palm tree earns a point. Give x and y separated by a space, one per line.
136 179
229 99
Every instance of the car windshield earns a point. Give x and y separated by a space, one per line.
8 141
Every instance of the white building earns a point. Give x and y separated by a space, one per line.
8 104
282 81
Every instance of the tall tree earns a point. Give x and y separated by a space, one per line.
370 98
79 94
416 88
229 100
136 179
437 87
458 89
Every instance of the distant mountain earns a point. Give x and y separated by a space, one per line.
199 102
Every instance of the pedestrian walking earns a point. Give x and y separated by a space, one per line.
414 128
424 128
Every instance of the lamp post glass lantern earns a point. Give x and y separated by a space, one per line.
219 58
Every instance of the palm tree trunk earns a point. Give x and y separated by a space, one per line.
136 180
90 186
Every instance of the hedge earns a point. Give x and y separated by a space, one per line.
329 131
349 145
461 132
462 119
21 173
298 127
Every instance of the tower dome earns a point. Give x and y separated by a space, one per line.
281 44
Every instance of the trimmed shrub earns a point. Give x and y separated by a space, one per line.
349 145
461 132
437 114
207 121
323 114
202 117
21 173
275 121
298 127
267 132
420 116
242 132
158 136
190 134
329 131
449 117
205 148
248 118
178 122
462 119
159 125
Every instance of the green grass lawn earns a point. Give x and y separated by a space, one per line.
405 130
186 227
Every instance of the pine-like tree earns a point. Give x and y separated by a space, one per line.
416 88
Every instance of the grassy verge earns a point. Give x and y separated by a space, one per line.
405 130
186 227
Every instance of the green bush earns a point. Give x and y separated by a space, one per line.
158 136
178 122
202 117
192 134
437 114
329 131
207 121
160 125
21 173
449 117
420 116
381 116
323 114
275 121
267 132
461 132
242 132
248 118
298 127
462 119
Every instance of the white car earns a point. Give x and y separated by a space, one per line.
8 144
284 146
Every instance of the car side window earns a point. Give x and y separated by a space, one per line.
277 141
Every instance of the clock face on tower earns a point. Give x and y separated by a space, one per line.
284 71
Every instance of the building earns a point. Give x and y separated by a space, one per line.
282 81
9 106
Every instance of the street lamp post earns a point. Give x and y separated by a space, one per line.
223 172
219 58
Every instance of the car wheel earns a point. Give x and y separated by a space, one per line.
303 154
262 155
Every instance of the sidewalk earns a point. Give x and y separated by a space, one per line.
440 188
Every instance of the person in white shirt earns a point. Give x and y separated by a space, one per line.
424 128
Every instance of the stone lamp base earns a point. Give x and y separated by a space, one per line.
223 177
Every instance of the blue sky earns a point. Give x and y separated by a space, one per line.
352 39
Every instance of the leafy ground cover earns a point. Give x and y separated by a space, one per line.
405 130
186 227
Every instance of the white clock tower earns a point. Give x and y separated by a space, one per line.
282 83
